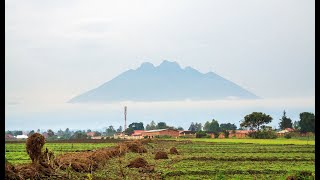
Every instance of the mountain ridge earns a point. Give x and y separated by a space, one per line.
165 82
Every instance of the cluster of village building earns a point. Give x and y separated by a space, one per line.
139 134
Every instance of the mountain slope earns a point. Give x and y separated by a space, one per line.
166 82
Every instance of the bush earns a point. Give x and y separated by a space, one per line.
263 135
201 134
184 137
226 133
216 134
162 136
287 136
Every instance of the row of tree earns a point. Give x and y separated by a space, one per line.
253 121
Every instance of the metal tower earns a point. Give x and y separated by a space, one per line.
125 118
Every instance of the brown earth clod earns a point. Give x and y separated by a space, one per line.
174 150
161 155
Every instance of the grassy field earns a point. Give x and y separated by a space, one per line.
197 159
300 141
16 152
218 159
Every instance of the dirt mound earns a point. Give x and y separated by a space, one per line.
89 161
301 175
136 147
174 150
10 171
161 155
137 163
80 162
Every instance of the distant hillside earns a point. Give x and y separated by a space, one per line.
166 82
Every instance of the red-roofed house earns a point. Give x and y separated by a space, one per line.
289 129
9 137
91 134
137 132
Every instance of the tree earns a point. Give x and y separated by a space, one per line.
198 127
148 127
212 126
153 125
192 127
9 132
162 125
97 133
31 132
255 120
15 133
129 131
180 128
228 126
50 133
38 131
110 131
136 126
89 130
66 134
79 135
285 122
296 125
119 129
307 122
60 132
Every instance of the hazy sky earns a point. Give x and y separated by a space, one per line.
58 49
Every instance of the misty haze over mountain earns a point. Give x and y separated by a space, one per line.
166 82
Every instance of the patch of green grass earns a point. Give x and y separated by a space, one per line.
255 141
16 152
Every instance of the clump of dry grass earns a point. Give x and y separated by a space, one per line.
34 146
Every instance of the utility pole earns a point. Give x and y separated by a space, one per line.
125 118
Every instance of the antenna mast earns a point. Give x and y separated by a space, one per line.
125 118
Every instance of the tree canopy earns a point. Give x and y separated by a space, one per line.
228 126
307 122
195 127
285 122
255 120
151 126
136 126
162 125
110 131
129 131
212 126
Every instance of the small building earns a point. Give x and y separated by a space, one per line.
160 132
91 134
284 132
22 136
190 134
290 129
120 135
96 137
9 137
137 134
